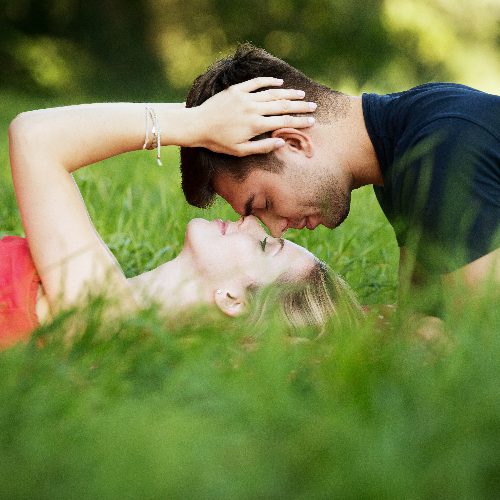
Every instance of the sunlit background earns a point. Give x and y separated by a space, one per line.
197 408
144 49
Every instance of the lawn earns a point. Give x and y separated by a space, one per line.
214 408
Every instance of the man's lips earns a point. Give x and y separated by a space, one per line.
311 225
305 222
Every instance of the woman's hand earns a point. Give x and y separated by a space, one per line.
228 120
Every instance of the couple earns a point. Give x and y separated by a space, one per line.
224 264
432 154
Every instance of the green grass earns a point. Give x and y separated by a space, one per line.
144 408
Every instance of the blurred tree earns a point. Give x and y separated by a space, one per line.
91 46
138 49
331 40
457 40
352 45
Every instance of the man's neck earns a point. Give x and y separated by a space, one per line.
351 144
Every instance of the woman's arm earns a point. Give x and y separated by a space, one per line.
84 134
47 145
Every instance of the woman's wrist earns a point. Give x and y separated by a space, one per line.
181 126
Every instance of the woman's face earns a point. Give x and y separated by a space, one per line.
242 252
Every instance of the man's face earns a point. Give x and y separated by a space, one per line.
299 196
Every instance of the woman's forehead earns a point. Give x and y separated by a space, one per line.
292 250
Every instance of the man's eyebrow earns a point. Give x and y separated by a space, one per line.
249 206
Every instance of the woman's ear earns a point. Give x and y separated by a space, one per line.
296 141
230 302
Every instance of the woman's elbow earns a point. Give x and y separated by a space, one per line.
24 130
16 126
18 129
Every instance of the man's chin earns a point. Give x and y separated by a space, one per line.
335 222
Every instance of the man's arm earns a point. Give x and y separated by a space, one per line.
410 272
482 271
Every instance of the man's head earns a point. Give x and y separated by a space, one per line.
298 185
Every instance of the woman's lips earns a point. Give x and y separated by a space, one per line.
222 225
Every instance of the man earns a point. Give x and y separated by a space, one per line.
432 154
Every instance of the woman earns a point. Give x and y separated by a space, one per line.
221 263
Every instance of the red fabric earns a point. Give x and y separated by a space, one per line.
18 291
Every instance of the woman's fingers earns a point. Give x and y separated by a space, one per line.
258 147
277 94
258 83
269 94
284 121
252 114
285 107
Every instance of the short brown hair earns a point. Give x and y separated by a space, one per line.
199 166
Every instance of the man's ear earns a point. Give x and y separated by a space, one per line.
296 141
230 301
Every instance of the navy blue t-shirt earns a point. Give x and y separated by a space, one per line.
438 146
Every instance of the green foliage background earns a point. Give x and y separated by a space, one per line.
204 408
123 49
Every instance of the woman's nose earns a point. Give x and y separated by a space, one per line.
248 222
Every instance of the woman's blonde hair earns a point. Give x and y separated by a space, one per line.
312 300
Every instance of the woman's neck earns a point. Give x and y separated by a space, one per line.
174 285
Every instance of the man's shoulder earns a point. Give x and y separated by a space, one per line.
431 101
432 89
436 101
433 112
